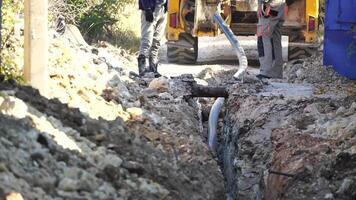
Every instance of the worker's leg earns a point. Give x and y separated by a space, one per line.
159 31
147 31
266 55
277 49
270 46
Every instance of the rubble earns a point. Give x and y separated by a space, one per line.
100 134
291 139
104 133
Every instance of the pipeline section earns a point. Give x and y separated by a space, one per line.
240 52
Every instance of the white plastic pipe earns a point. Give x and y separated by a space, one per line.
215 110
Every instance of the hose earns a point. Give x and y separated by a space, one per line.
215 109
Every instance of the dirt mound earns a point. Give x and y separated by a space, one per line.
291 139
104 134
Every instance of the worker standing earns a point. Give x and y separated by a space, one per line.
271 15
153 21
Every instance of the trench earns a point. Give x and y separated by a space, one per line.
226 150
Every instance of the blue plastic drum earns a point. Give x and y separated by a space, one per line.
340 37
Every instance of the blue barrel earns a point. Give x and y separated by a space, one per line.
340 37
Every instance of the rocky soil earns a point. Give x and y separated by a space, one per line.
292 138
103 133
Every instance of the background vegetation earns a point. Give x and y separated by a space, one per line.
115 21
11 48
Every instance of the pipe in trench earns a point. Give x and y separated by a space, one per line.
215 110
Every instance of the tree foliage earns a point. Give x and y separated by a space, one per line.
95 17
11 44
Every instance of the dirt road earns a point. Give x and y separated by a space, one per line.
217 54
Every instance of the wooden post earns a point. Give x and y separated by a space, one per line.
36 44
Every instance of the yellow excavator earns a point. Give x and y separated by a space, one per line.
190 19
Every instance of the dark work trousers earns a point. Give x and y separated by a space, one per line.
152 33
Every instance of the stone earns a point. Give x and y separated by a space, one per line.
165 96
150 92
13 107
152 187
112 173
351 128
88 182
75 35
67 184
134 167
312 109
160 84
329 196
341 110
156 119
110 159
201 82
100 137
345 186
121 91
135 113
38 155
353 107
14 196
3 167
105 191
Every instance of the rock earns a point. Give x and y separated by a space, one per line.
152 188
100 137
13 107
341 110
38 155
99 60
156 119
345 186
75 35
312 109
150 92
300 73
250 78
67 184
105 191
110 159
165 96
353 107
135 113
201 82
88 182
134 167
351 128
14 196
71 172
120 89
160 84
112 173
329 196
3 167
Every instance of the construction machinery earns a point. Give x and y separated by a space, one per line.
190 19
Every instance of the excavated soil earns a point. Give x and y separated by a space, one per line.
103 133
293 138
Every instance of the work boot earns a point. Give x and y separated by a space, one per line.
154 67
141 60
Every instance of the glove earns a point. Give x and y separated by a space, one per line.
149 15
